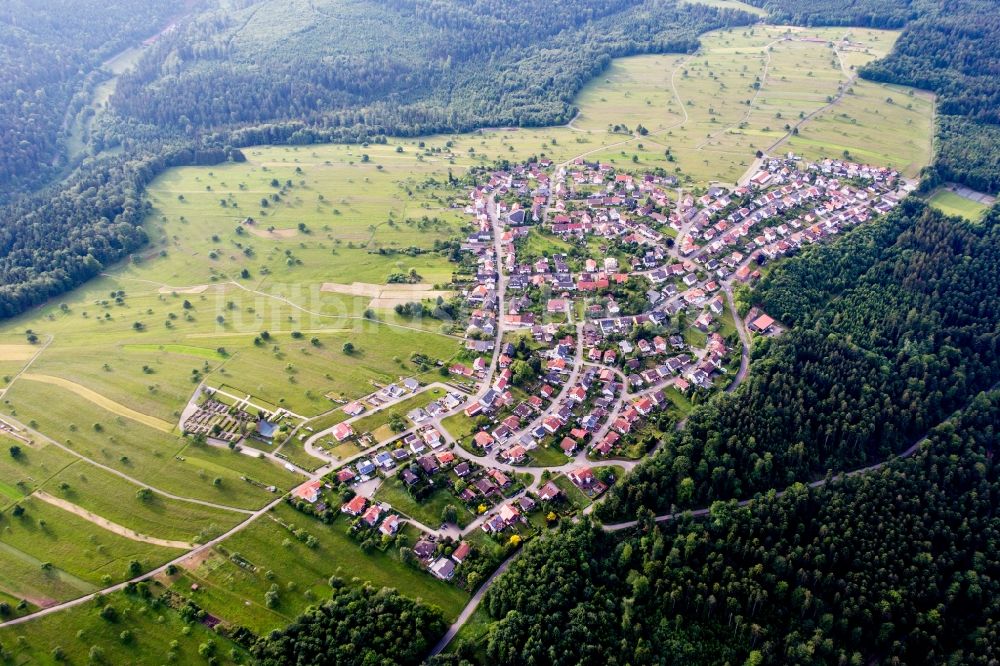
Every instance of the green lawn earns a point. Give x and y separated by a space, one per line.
459 425
547 456
575 496
427 512
294 450
952 204
152 629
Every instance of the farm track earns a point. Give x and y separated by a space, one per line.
106 524
101 401
296 306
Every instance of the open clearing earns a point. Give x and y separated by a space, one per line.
384 297
952 201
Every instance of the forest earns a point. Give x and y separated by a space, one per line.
895 326
864 13
955 52
899 565
361 625
444 65
48 51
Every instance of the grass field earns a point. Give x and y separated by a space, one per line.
159 459
115 499
76 546
952 204
153 631
33 467
268 545
870 129
427 512
714 109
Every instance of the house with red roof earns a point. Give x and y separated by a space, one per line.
372 515
342 431
308 491
356 506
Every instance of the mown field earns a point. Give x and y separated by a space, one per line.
150 513
953 204
63 541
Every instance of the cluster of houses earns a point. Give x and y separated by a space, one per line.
443 566
799 203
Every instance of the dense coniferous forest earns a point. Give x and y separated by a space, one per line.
866 13
955 52
894 566
48 51
361 626
895 326
443 65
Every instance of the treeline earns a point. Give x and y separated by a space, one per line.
361 626
47 48
894 327
440 66
57 239
899 565
956 53
865 13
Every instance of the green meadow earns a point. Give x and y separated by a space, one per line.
64 541
149 513
301 574
34 466
164 461
743 91
144 632
953 204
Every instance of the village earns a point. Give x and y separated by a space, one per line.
600 309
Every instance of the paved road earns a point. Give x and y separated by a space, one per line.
114 588
471 606
118 473
741 328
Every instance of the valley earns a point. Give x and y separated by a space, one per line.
403 363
